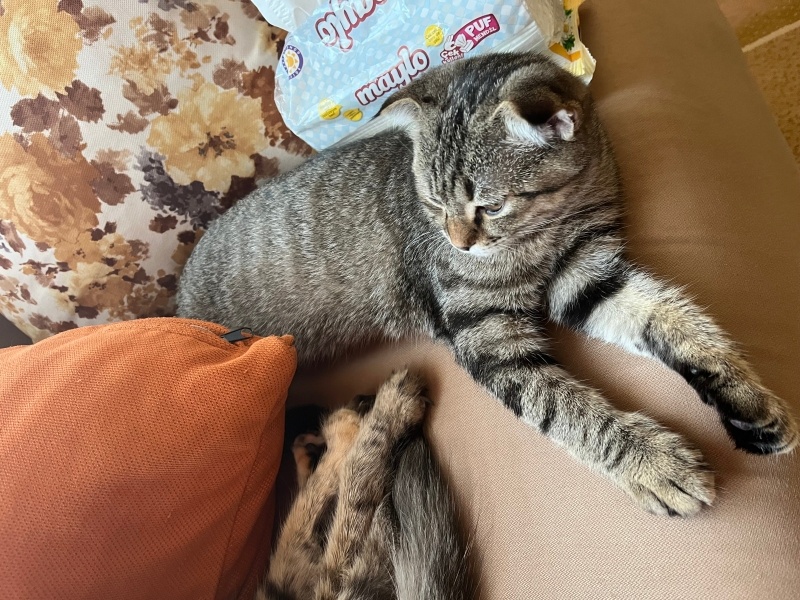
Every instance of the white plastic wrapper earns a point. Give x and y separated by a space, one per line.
286 14
344 58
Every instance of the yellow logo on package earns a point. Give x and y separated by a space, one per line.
353 114
434 35
328 109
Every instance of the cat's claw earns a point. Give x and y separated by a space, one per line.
756 420
775 436
766 427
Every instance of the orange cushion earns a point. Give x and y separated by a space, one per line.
137 460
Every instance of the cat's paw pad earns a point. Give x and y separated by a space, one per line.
773 431
665 476
309 443
403 395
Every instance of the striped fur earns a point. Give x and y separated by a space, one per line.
459 224
389 529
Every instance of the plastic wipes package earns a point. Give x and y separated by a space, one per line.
344 58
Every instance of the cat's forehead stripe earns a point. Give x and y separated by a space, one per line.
481 83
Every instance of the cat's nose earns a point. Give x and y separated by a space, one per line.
460 234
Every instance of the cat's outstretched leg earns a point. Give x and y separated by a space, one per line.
367 476
599 293
370 576
507 354
296 564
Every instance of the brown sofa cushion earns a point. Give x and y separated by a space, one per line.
137 461
713 204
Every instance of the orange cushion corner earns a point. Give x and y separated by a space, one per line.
137 460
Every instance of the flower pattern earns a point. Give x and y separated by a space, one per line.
48 197
128 128
210 137
39 46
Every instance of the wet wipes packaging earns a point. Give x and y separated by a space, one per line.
346 57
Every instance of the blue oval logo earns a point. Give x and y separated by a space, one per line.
292 60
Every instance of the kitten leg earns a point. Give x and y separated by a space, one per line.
366 475
507 355
604 296
296 563
370 576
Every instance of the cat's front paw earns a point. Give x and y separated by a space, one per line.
773 433
756 420
340 429
662 473
402 397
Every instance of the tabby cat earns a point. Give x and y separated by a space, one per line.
489 205
373 519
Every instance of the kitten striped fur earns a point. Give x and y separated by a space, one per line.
492 206
374 520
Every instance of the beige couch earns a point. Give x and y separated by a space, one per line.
714 204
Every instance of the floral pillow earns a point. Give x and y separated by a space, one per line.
125 129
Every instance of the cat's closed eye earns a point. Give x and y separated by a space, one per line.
493 210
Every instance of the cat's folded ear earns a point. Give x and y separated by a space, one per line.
540 120
400 113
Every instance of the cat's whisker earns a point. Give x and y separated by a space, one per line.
551 224
560 218
420 240
418 243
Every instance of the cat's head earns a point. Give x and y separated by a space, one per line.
497 141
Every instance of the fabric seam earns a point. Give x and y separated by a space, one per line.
267 421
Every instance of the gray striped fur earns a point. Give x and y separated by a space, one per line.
395 236
390 529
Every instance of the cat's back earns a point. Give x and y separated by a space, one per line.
320 237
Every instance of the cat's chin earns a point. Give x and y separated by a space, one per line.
480 252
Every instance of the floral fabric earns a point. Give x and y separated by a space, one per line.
125 129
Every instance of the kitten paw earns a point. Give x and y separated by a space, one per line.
663 474
307 450
773 431
402 396
340 430
756 420
308 444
